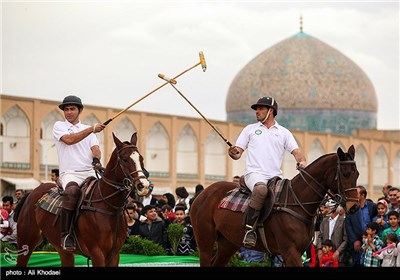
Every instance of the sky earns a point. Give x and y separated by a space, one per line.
110 53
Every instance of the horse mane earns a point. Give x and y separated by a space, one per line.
320 158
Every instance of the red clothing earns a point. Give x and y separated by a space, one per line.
313 256
327 261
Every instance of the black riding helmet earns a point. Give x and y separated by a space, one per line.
266 101
71 100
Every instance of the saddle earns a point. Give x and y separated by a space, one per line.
51 201
238 198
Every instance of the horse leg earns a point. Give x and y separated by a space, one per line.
29 238
292 257
67 258
114 262
206 246
225 251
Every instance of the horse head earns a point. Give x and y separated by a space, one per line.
345 181
126 166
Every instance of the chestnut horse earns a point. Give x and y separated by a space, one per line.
289 228
100 227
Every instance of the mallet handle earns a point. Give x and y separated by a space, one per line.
213 127
202 62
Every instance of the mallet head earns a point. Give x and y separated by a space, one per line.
202 61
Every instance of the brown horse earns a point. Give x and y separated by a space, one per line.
289 228
100 227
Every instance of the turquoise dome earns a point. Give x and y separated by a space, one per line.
316 87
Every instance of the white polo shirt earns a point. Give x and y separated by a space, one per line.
265 148
76 157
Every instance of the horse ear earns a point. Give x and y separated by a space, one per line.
117 142
341 154
134 138
352 151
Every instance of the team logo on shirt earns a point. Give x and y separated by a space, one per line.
258 132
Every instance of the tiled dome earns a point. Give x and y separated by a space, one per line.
317 88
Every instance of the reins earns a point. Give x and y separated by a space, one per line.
336 197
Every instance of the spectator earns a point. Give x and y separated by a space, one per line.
169 199
4 224
139 210
327 257
381 218
131 219
153 228
183 198
167 214
251 256
394 203
198 189
55 174
187 243
332 228
394 227
19 193
372 244
8 202
356 224
149 199
385 191
388 256
322 212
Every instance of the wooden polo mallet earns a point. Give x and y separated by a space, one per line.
173 82
202 62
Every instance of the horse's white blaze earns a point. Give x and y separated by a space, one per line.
135 157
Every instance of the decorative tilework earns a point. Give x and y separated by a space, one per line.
305 76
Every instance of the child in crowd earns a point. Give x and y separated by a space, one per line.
362 253
381 218
371 245
187 244
389 253
328 248
4 224
393 225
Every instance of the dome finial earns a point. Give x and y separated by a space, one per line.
301 23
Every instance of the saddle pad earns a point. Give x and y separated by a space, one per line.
51 201
235 200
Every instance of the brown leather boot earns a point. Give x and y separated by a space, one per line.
69 200
67 239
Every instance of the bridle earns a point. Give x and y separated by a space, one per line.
340 197
131 179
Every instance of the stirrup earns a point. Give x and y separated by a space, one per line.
68 243
250 238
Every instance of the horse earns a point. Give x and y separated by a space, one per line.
100 227
293 205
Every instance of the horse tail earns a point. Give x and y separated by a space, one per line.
17 209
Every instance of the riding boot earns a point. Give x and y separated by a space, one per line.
69 201
257 199
67 240
250 237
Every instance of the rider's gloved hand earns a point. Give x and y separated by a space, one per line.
96 164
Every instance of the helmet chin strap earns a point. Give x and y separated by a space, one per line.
266 117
